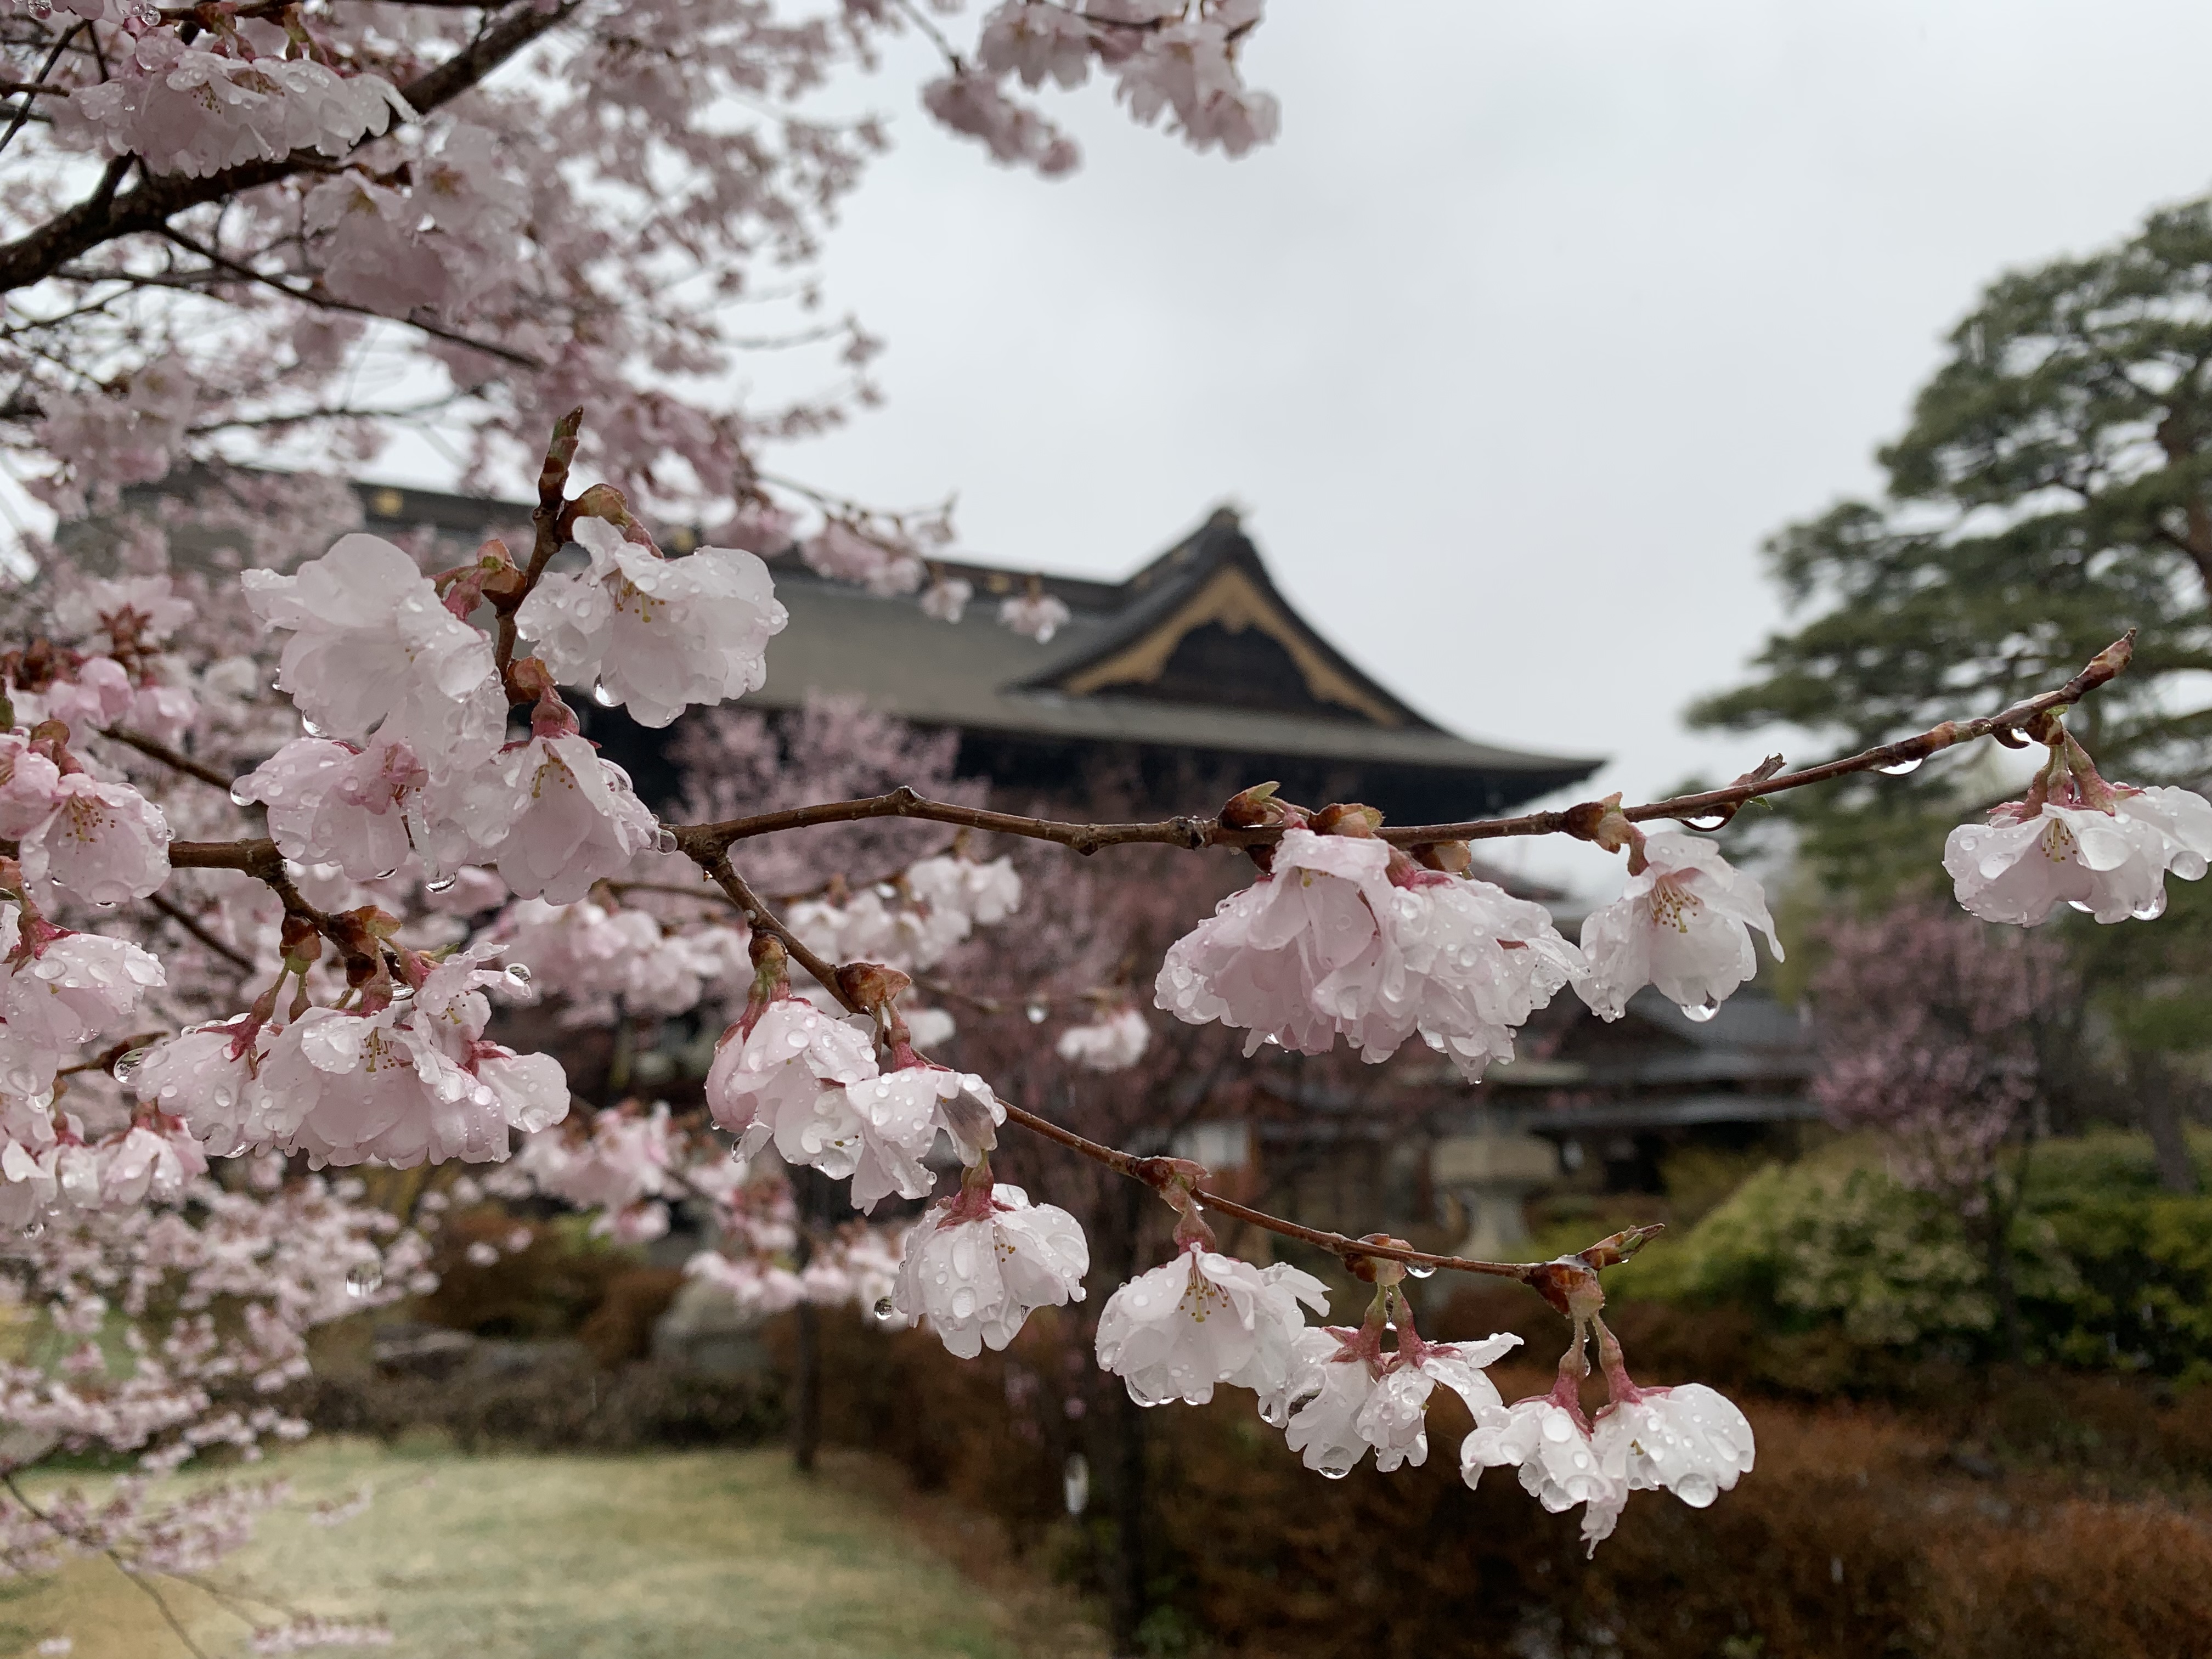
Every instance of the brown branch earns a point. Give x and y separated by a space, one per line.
1153 1171
198 929
255 855
2026 717
546 535
103 218
153 749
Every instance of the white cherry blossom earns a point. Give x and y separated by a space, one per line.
560 819
1688 1440
1559 1466
785 1081
332 803
151 1162
1682 924
976 1277
655 634
104 843
2113 865
1113 1044
1203 1319
30 786
371 643
1035 615
1253 963
75 986
101 611
207 1075
900 1114
1352 1405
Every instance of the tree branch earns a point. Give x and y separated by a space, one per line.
100 219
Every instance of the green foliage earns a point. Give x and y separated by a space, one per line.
2113 1274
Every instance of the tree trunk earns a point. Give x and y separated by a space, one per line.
806 1387
1996 1222
1122 1429
2159 1101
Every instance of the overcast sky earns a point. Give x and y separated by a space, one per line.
1533 324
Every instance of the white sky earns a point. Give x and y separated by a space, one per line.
1531 325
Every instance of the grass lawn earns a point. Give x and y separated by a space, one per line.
680 1555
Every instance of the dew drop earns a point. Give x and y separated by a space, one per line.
443 885
126 1065
664 842
2086 910
109 904
239 797
517 973
1034 1013
886 1310
1700 1011
311 728
1900 768
604 698
1706 821
34 1229
1420 1270
364 1279
1334 1474
386 875
2151 910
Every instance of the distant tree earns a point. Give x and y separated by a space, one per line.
1951 1037
2053 489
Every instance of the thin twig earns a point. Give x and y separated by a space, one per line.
153 749
60 1531
192 925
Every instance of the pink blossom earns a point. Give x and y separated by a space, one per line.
561 819
656 634
1033 616
30 786
1682 924
151 1162
785 1081
1204 1319
1353 1402
75 986
1114 1044
332 803
2110 862
371 643
975 1278
105 843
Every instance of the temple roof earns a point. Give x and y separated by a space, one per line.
1196 655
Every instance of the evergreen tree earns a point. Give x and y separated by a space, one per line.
2053 489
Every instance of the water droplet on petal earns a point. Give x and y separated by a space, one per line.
2086 910
127 1065
2151 909
517 973
664 842
239 797
604 698
386 875
34 1229
885 1310
1700 1011
311 728
443 885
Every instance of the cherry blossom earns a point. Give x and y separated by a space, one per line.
559 818
1114 1044
901 1114
2110 862
1682 924
371 645
977 1267
784 1081
655 634
75 986
1688 1440
1203 1319
30 786
1035 615
1551 1445
104 843
1356 1398
332 803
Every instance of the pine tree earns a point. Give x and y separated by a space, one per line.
2053 489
